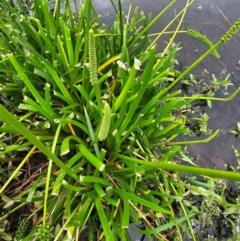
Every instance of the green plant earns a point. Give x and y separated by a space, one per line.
21 231
202 122
98 104
237 131
44 233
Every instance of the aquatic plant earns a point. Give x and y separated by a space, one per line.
99 104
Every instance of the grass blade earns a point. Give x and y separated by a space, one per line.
104 220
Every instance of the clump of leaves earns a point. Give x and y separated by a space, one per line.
98 103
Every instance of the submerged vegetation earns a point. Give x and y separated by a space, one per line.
89 120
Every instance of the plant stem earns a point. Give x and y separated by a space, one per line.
153 22
120 20
172 21
49 171
195 141
176 30
190 68
216 99
182 168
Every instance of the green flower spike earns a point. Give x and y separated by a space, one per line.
203 39
233 30
134 18
44 233
92 58
104 128
21 231
134 215
141 137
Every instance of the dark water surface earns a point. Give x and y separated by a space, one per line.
206 17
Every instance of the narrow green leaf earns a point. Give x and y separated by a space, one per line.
113 201
84 210
104 220
73 188
140 200
91 158
125 89
65 147
92 134
49 114
62 53
144 83
126 212
47 89
37 183
92 179
83 92
185 169
58 181
99 190
27 82
58 82
164 226
68 41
